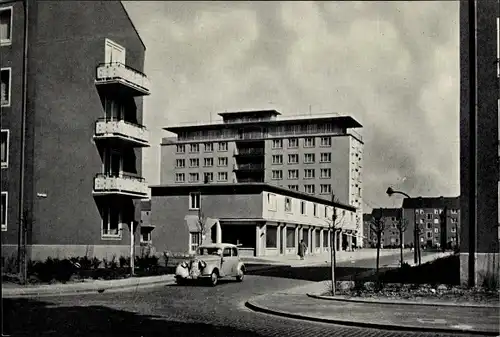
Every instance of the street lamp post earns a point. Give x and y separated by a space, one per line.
390 192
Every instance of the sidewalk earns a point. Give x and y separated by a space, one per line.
398 315
14 290
320 259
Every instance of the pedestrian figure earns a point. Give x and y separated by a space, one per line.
302 249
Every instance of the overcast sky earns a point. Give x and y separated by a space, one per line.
393 66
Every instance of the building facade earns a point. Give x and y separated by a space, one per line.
316 155
479 140
263 219
437 219
71 108
390 237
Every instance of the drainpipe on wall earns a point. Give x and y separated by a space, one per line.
22 226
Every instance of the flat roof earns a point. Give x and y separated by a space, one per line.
240 188
342 121
431 202
249 113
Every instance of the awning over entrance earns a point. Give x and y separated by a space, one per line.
192 223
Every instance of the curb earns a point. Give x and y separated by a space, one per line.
380 326
23 293
430 304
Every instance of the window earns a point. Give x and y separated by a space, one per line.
234 251
429 235
271 201
5 26
222 161
293 158
309 174
226 252
315 210
194 148
429 225
5 77
277 174
222 176
290 238
4 210
325 188
303 207
194 162
293 143
288 205
5 148
271 237
325 239
453 211
309 189
208 162
453 230
111 222
326 157
277 143
436 230
326 141
113 52
293 174
146 237
194 177
309 142
294 187
209 147
436 221
194 200
194 240
208 176
180 163
436 211
326 211
180 177
181 148
309 158
277 159
325 173
222 146
429 216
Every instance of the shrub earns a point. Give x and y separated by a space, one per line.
147 263
124 261
491 281
9 264
113 264
85 263
96 263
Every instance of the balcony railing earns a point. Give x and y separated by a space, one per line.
120 74
120 129
248 167
248 152
105 184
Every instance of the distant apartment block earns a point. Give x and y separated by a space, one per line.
316 155
71 161
390 237
427 213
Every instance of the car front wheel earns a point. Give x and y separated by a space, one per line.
180 281
214 279
241 275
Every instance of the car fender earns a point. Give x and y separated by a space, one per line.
209 269
241 266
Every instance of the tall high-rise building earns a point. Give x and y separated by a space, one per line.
315 154
71 108
479 139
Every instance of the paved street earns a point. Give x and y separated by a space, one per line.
171 311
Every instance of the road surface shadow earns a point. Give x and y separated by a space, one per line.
29 317
315 273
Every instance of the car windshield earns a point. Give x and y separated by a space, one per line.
209 251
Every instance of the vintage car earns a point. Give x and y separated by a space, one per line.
210 263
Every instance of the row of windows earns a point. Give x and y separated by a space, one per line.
305 208
195 177
309 158
272 237
208 147
5 40
436 211
207 162
311 189
325 173
307 142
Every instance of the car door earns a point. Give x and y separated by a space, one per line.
227 263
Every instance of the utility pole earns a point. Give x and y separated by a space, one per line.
132 244
333 245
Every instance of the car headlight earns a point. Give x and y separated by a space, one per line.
203 264
184 264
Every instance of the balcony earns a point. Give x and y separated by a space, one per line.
249 152
121 131
121 79
125 185
248 167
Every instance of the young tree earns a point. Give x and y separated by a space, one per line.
335 227
402 226
377 226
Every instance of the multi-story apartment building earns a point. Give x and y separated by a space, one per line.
390 237
71 107
479 140
263 219
317 155
428 215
